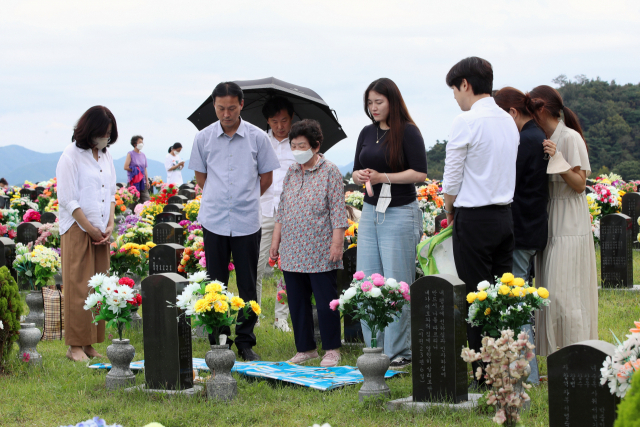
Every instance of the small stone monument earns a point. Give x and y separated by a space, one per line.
168 232
169 217
119 185
178 200
5 202
8 254
48 217
631 208
173 207
168 364
188 193
438 220
39 190
165 258
27 232
616 251
29 194
352 328
576 397
186 185
438 335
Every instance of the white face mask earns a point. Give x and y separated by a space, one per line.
139 146
302 157
101 143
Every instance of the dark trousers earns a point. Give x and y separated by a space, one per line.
245 249
483 244
324 287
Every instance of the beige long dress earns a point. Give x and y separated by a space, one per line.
567 267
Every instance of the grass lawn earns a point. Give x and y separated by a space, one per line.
62 392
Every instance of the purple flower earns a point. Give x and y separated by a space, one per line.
129 222
184 223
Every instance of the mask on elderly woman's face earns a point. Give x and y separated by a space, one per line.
302 157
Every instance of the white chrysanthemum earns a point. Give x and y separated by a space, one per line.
198 277
375 292
96 280
190 308
115 303
349 293
483 285
125 292
91 301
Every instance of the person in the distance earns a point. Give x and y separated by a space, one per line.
174 164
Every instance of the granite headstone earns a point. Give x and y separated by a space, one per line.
8 254
119 185
186 185
173 207
168 363
169 217
352 328
631 208
165 258
616 251
27 232
5 201
168 232
28 193
438 334
576 397
188 193
48 217
177 199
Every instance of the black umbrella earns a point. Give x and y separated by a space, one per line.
306 105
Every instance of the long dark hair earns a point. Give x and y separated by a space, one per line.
398 119
94 124
510 97
553 104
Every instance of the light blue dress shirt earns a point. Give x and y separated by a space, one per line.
230 204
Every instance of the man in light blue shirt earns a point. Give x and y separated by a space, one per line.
234 162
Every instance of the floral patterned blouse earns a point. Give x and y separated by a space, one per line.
311 207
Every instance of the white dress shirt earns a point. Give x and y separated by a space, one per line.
271 198
480 164
87 184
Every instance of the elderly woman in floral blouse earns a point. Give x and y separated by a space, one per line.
308 236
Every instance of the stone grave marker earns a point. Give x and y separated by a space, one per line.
178 200
27 232
186 185
173 207
8 254
438 334
119 185
438 219
28 193
576 397
48 217
168 232
353 187
616 251
39 190
188 193
168 363
352 328
631 208
165 258
5 201
169 217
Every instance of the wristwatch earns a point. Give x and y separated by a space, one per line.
446 211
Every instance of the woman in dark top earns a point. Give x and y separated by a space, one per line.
391 158
529 207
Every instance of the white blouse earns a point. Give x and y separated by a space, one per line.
174 176
87 184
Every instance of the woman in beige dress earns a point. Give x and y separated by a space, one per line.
567 267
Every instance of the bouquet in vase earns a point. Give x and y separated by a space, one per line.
618 370
129 258
49 236
375 300
351 234
163 196
112 300
22 204
37 266
192 208
607 197
354 198
9 221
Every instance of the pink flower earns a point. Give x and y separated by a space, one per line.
203 262
406 296
500 417
378 281
334 304
31 216
231 266
112 253
12 234
26 357
366 286
404 288
376 276
359 275
444 223
3 230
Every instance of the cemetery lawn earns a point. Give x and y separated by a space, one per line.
62 392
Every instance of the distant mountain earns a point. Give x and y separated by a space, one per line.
346 168
18 164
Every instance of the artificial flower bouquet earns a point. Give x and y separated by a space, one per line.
431 203
351 234
192 208
166 192
607 197
355 199
22 204
43 199
211 305
193 257
506 305
374 300
37 266
618 370
49 236
112 300
128 195
9 221
129 258
157 181
150 210
31 215
52 206
138 231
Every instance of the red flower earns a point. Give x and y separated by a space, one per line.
136 300
127 281
444 223
231 266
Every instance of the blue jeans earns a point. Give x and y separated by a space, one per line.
387 245
521 264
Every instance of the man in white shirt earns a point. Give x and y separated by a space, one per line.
278 112
479 181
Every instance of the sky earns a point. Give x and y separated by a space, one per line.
152 63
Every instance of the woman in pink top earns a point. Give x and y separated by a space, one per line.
136 167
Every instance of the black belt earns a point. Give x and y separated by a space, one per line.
488 208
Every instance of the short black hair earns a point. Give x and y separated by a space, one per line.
276 104
3 181
308 128
134 140
227 89
94 124
175 146
476 71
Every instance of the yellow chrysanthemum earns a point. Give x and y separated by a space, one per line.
353 245
471 297
543 293
213 287
507 278
212 297
482 295
202 306
504 290
135 252
237 303
220 306
145 248
151 244
255 307
519 282
487 312
531 289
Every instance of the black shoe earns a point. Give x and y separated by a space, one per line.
399 363
248 355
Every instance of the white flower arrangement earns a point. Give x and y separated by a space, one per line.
618 370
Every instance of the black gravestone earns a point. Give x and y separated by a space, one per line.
5 201
39 191
168 363
576 397
631 208
173 207
353 187
48 217
616 251
186 185
188 193
8 254
168 232
178 200
165 258
438 219
588 190
28 193
438 334
169 217
27 232
352 328
119 185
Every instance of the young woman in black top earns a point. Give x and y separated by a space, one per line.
391 158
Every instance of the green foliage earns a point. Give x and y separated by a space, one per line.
435 158
10 312
629 408
629 170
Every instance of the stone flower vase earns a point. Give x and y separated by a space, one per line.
35 302
221 385
373 364
120 354
28 340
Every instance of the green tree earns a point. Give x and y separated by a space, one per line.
10 312
435 159
628 170
629 408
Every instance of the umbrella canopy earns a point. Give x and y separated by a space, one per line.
306 105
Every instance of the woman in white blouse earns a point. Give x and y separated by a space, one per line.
174 164
86 197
